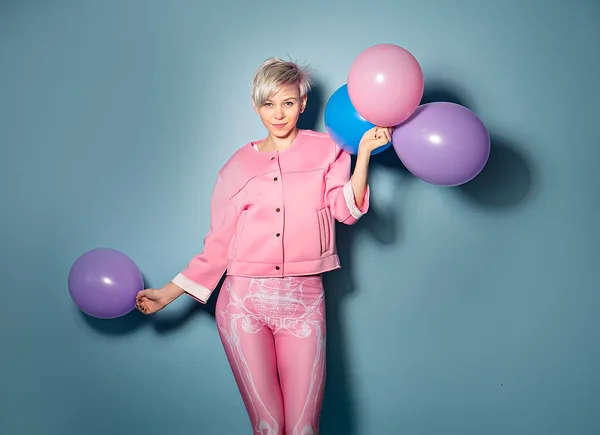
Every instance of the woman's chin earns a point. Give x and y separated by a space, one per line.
281 132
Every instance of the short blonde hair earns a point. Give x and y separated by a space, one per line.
274 73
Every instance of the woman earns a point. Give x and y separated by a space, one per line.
272 230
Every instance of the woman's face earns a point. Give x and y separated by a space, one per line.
281 111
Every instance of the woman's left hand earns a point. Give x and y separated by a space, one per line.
375 138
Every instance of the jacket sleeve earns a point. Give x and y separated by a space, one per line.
205 269
338 190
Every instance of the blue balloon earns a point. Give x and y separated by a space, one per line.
344 124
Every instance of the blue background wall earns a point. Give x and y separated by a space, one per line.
466 311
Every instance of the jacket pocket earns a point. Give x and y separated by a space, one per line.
325 231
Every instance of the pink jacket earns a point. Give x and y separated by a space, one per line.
272 214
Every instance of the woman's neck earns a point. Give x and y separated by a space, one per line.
274 143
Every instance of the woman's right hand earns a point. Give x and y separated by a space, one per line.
151 300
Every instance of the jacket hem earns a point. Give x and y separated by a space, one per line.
298 268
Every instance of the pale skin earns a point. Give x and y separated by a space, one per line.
280 115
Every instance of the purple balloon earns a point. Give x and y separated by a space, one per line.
442 143
104 282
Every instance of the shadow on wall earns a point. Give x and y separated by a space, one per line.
505 184
315 105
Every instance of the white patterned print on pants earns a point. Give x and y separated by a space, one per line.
273 332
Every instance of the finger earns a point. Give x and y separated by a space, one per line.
143 294
382 138
141 307
383 130
385 133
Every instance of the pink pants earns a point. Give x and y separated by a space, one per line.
273 332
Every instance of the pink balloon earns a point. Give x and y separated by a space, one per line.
385 84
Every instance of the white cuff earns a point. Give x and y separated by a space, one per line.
350 202
197 291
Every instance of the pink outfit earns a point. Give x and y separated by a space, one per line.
272 229
275 328
272 214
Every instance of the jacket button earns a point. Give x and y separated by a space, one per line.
272 158
277 209
275 179
276 267
278 234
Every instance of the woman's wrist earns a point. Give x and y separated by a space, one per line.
364 155
172 291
